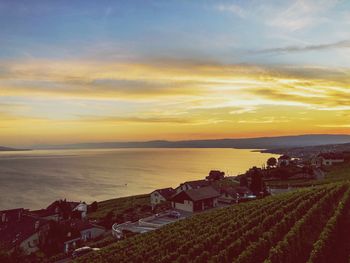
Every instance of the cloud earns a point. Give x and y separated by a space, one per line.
301 14
134 119
232 8
288 49
265 120
334 125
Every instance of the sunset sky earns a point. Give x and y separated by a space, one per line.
92 71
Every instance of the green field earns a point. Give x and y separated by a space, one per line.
121 205
309 225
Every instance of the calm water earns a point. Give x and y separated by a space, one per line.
33 179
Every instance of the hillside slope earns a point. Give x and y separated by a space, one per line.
3 149
268 230
243 143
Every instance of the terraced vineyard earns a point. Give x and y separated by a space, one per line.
310 225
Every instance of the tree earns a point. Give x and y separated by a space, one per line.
215 175
243 181
256 185
271 162
93 207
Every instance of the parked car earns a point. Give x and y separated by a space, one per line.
82 251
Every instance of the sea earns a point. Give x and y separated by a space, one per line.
34 179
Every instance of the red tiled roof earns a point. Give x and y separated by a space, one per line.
11 215
197 194
166 192
14 233
197 183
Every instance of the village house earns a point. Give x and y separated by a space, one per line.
161 195
11 216
24 231
195 200
81 231
283 160
192 185
327 159
62 209
231 194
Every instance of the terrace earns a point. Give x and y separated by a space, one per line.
149 223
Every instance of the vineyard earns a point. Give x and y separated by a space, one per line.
309 225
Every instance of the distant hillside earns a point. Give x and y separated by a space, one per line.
310 150
246 143
3 149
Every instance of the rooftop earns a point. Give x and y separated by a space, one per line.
166 192
197 183
198 194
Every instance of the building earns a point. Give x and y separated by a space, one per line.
283 160
81 231
195 200
192 185
230 194
81 209
26 233
62 210
11 216
161 195
327 159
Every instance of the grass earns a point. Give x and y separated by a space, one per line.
120 205
339 172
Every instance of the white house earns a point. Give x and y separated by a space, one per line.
195 200
327 159
283 160
81 231
192 185
91 231
82 208
161 195
234 194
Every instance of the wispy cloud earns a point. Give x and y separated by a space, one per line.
148 99
304 48
232 8
301 14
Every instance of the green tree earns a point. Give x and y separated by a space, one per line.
271 162
256 185
243 181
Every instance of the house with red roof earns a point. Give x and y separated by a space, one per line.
192 185
328 159
284 160
196 200
24 231
230 194
161 195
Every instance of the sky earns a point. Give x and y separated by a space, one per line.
98 71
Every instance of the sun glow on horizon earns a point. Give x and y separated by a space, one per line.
70 72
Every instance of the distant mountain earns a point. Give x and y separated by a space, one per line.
3 149
246 143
